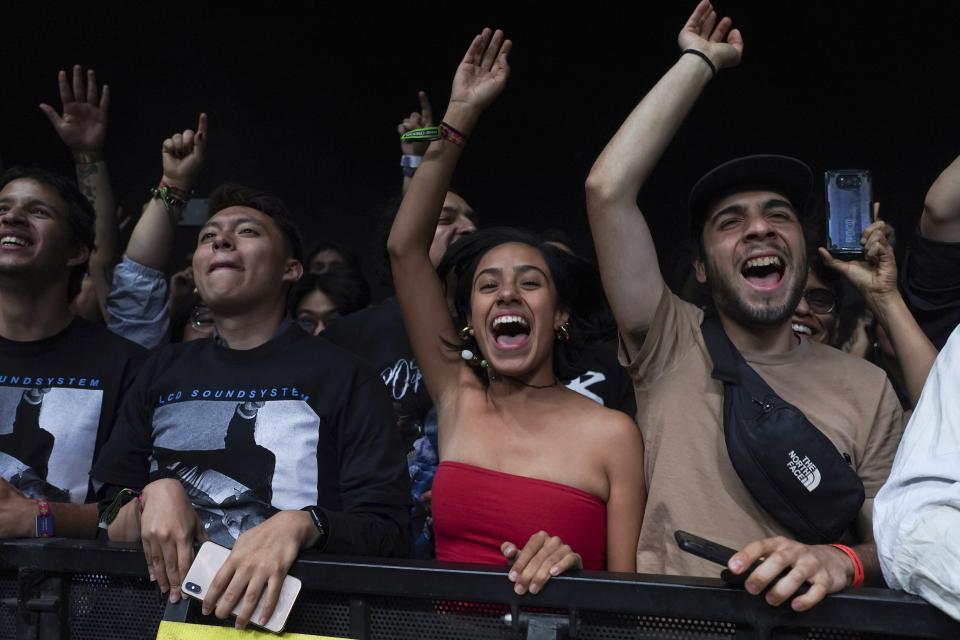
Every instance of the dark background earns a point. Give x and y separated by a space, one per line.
304 99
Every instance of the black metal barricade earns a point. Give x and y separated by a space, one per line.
82 590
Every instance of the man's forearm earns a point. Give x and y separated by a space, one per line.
872 576
153 236
630 157
74 520
381 534
94 182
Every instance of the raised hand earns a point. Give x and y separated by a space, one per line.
875 276
483 73
184 154
83 125
416 120
723 45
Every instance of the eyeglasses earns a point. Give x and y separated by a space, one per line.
820 300
307 323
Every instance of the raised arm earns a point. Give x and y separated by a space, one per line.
412 152
876 279
183 156
479 79
625 251
941 208
83 128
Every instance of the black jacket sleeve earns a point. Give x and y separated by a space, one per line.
374 484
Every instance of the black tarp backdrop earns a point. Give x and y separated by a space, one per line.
304 99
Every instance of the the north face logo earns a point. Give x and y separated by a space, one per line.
804 470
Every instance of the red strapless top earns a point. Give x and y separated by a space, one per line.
475 510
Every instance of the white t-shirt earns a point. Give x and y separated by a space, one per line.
917 512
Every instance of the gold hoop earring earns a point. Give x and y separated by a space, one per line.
466 333
563 333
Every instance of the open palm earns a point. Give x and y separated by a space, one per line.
83 125
702 32
483 73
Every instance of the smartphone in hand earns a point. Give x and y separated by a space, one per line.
205 567
849 211
709 550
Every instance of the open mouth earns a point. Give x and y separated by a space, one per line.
221 266
14 241
801 329
510 331
763 272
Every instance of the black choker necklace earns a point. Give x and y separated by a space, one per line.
535 386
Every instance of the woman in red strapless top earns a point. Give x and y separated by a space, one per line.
531 474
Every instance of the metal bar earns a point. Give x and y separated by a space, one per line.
359 619
864 610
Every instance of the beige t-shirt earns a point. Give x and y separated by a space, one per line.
690 481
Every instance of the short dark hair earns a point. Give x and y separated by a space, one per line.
349 255
81 216
345 287
577 282
385 218
235 195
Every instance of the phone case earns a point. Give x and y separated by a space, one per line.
205 567
849 210
704 548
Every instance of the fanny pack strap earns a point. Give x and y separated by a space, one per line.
724 355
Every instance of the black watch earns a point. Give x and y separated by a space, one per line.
320 522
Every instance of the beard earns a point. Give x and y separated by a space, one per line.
767 314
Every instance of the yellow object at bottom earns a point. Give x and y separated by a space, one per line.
187 631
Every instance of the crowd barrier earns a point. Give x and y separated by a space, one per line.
79 590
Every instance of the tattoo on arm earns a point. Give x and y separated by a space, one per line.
86 176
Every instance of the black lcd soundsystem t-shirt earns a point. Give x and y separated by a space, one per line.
58 400
292 423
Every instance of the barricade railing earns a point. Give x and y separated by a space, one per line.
60 589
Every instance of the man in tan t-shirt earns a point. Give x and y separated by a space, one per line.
746 218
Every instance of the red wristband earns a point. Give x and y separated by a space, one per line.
857 564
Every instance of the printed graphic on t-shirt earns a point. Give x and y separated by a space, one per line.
239 461
48 435
582 384
403 378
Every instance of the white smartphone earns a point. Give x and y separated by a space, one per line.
205 567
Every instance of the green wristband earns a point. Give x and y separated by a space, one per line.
426 134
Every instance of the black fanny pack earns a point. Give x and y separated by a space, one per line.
789 466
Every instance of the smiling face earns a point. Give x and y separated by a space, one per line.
514 312
754 259
34 233
457 219
809 318
242 262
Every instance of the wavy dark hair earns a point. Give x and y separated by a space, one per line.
577 282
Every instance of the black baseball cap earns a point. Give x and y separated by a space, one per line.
783 174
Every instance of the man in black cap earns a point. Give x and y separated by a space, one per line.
746 218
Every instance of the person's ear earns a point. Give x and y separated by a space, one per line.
81 255
700 270
293 270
